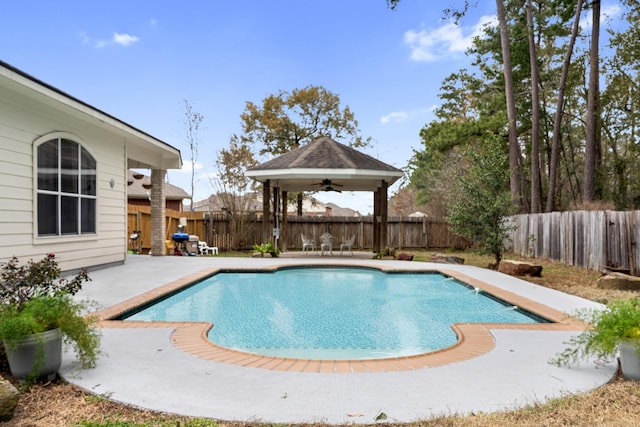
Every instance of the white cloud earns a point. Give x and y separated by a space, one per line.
396 116
446 40
118 39
124 39
401 116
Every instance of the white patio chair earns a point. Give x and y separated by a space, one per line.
204 248
326 243
308 243
347 244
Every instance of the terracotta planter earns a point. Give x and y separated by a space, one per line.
38 354
630 359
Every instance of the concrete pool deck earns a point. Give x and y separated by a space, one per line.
171 368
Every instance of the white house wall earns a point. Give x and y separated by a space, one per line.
25 120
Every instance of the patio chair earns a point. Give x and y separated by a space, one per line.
204 248
348 244
326 243
308 243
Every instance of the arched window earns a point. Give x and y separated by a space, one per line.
66 189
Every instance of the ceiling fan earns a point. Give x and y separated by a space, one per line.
328 185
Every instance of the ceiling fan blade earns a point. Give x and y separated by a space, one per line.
328 183
330 188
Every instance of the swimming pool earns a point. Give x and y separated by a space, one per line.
333 313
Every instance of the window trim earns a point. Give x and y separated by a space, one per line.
62 237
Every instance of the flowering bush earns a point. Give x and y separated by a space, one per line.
21 283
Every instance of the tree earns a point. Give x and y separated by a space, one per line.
231 164
515 177
592 151
471 108
192 122
482 199
536 186
507 69
574 143
620 113
234 191
557 122
290 119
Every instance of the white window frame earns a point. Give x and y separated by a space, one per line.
59 193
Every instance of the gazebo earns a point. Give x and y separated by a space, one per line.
323 165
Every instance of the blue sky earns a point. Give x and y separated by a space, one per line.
139 60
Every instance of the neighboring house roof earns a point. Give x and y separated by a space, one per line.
216 203
325 164
210 204
139 188
143 150
310 206
339 211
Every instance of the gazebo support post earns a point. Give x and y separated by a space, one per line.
276 217
266 211
283 231
380 217
384 214
376 223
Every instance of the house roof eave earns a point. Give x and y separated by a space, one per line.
143 149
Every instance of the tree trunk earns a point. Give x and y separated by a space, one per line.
514 151
536 187
299 204
592 139
557 123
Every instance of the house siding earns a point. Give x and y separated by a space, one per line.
23 121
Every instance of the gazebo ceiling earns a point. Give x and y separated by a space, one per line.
325 165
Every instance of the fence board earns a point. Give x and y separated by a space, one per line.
589 239
241 233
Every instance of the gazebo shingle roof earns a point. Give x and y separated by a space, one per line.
326 165
305 168
327 154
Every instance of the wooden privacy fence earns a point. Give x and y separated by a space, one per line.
229 232
588 239
402 232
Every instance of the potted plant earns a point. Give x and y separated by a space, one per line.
38 313
266 248
615 328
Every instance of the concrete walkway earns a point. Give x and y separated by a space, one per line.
141 367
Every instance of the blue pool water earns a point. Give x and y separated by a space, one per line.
333 313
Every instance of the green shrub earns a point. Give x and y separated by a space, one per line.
620 321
